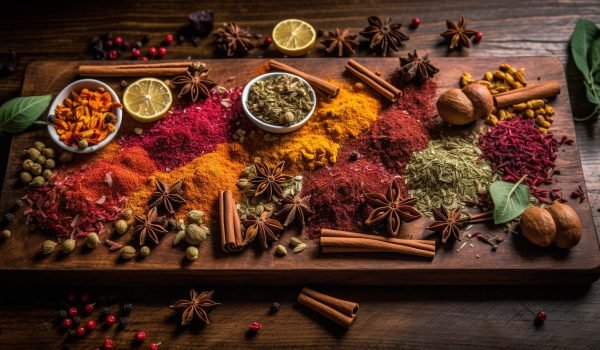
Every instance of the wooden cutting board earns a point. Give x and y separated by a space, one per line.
515 262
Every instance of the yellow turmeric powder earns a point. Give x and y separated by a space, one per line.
317 143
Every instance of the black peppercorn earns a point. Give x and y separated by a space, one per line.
72 333
138 44
76 321
127 307
63 305
275 307
108 118
51 118
202 22
62 314
7 219
123 322
145 39
354 156
105 312
171 225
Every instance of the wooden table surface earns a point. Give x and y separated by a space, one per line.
390 317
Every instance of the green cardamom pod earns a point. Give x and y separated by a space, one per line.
46 173
195 216
68 245
121 227
195 234
144 251
39 145
40 160
294 242
281 250
33 153
48 152
300 247
25 177
48 247
191 253
92 240
178 237
50 164
27 163
127 252
37 181
36 169
65 157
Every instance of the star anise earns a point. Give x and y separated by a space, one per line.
198 306
262 227
295 208
167 196
149 225
342 40
269 180
457 33
416 68
391 208
194 83
384 35
447 222
233 40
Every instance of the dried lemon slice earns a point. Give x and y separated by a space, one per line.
147 99
294 37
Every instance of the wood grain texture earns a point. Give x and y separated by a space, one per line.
516 261
390 317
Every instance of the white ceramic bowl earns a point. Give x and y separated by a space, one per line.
277 129
66 92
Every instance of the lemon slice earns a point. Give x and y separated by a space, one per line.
147 99
294 37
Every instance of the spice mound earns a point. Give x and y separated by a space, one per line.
447 173
282 100
85 118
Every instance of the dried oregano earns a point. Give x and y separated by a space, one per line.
447 173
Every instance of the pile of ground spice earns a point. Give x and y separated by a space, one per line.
203 178
318 142
447 173
189 131
516 148
337 194
417 101
83 199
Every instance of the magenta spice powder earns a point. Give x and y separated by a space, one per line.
516 148
190 131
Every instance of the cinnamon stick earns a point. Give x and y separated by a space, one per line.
419 244
124 71
326 310
386 89
532 92
229 231
229 221
318 84
237 226
371 245
348 308
222 222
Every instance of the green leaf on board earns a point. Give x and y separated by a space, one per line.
594 56
510 200
583 36
19 113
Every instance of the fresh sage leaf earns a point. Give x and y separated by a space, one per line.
583 36
19 113
510 200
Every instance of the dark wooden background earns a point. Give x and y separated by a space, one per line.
390 317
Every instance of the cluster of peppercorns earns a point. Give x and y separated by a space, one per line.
107 47
75 308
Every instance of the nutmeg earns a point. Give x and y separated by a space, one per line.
538 226
568 225
481 98
455 107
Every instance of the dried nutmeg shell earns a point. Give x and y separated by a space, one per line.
455 107
481 98
568 225
538 226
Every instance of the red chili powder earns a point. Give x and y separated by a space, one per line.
189 131
418 100
79 202
516 148
337 193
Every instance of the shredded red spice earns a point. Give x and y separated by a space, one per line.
516 149
416 100
189 131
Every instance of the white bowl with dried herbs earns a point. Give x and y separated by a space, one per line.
279 102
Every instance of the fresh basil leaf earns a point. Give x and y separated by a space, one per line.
19 113
594 56
583 36
592 92
510 200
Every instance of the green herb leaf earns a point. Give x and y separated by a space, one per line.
19 113
594 57
583 36
510 200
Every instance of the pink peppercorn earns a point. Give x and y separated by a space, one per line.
415 22
255 327
162 51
